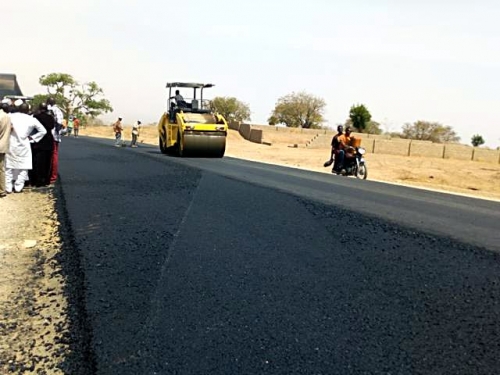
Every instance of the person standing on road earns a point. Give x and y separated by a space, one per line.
76 126
42 151
135 133
56 134
70 125
25 130
118 129
5 128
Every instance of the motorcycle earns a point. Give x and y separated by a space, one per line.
354 163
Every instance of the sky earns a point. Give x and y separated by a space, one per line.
406 60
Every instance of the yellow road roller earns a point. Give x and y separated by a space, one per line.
190 127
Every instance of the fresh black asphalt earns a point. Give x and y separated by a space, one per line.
221 266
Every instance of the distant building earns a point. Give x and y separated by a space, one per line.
9 86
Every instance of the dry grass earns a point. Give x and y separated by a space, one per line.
466 177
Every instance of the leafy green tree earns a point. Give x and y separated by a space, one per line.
231 108
429 131
299 110
83 100
477 140
360 117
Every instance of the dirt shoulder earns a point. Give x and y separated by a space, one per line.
470 178
37 314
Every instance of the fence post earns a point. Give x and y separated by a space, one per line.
444 151
473 151
409 148
373 147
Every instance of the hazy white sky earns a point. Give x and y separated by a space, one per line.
406 60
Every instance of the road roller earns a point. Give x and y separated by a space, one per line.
189 127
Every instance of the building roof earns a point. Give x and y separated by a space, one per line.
9 85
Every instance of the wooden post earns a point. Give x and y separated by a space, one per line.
373 147
409 148
473 151
444 151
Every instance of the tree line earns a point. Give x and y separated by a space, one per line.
303 110
296 110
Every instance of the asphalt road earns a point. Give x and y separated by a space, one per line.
221 266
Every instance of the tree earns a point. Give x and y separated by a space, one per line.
477 140
39 99
372 127
273 120
360 117
299 110
429 131
231 108
74 98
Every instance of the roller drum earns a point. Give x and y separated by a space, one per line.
204 144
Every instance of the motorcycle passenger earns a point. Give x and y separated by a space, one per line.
345 149
335 147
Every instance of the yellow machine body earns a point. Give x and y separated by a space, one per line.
192 131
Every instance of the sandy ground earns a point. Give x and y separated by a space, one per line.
32 303
469 178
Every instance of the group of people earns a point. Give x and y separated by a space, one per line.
29 145
341 145
71 126
118 129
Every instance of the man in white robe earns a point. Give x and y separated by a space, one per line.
25 130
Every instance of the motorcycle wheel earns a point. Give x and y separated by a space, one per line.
362 172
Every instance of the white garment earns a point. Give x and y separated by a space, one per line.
135 128
19 154
59 117
18 175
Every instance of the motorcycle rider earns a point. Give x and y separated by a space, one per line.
345 149
335 147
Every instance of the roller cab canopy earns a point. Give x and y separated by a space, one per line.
189 85
9 86
193 104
